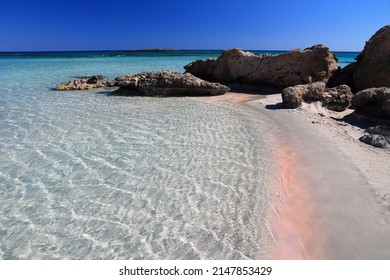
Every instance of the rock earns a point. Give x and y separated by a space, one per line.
373 102
336 98
121 80
88 82
378 141
294 96
341 77
377 136
372 68
289 69
165 83
349 70
379 130
97 80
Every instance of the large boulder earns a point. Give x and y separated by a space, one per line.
372 66
165 83
237 67
373 102
84 83
377 136
341 77
294 96
336 98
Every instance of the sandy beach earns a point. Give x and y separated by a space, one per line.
332 199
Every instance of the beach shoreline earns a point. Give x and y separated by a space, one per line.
348 193
331 197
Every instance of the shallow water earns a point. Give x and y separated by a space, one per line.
86 175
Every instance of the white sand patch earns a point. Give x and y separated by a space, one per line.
350 180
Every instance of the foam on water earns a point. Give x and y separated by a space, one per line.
84 175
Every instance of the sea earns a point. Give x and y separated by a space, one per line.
89 175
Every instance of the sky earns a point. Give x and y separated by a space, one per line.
189 24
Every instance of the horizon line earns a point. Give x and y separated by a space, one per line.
162 50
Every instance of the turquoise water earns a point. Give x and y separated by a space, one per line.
86 175
346 58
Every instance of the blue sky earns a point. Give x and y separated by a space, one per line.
201 24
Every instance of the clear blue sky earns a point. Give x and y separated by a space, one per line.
184 24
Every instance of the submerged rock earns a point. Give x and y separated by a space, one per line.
87 82
372 68
165 83
289 69
377 136
373 102
336 98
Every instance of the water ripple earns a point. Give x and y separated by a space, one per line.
86 176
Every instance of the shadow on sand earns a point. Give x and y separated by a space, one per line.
361 121
277 106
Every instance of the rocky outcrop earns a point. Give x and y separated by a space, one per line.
341 77
372 66
373 102
165 83
336 98
84 83
377 136
236 67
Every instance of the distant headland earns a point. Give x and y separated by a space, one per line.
151 50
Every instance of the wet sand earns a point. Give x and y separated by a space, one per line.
332 198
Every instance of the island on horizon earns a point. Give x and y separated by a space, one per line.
151 50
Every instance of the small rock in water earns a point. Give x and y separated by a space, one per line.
165 83
88 82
